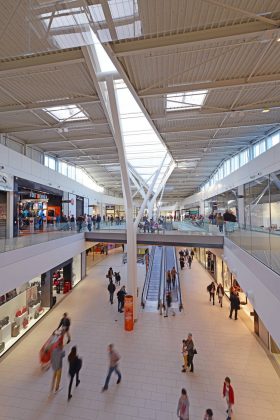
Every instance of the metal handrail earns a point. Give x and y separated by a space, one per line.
147 278
178 280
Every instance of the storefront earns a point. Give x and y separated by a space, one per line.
212 261
36 207
20 309
23 307
6 184
115 212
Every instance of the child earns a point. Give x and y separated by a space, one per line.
208 414
185 356
229 395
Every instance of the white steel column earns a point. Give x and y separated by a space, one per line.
130 227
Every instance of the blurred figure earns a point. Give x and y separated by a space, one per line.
228 394
111 290
208 414
113 366
220 293
168 280
183 406
56 362
75 365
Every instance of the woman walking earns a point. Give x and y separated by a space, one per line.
183 406
228 394
220 293
75 365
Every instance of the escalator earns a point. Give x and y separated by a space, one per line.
170 261
153 281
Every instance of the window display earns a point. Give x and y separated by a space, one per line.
20 309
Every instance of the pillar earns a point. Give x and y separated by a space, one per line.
240 205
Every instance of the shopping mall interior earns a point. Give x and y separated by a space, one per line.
140 196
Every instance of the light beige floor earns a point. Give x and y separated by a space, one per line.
150 364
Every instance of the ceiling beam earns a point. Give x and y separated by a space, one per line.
58 140
149 45
210 85
57 58
191 115
47 104
64 126
224 127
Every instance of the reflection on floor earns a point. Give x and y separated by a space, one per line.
151 360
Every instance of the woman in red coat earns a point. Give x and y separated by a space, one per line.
229 395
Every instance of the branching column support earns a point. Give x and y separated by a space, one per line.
131 231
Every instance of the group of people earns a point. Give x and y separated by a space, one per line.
186 256
219 291
112 288
183 407
220 219
75 362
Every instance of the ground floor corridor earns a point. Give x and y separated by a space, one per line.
150 360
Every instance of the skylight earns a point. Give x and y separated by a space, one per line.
66 113
185 100
144 150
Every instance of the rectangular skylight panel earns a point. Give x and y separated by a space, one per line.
185 100
123 8
66 113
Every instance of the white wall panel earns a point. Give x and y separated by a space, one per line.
22 265
19 165
261 284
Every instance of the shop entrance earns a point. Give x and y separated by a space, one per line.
61 280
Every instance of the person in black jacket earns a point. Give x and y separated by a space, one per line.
120 295
111 289
75 365
234 304
65 324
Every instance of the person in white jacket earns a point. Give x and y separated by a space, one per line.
183 406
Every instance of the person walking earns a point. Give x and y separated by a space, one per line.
234 304
168 300
191 351
75 364
182 262
89 222
208 414
121 295
220 294
228 394
173 276
186 253
183 407
168 280
56 362
110 274
190 261
192 253
65 325
113 366
111 290
220 222
212 289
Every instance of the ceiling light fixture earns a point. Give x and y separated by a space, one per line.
265 110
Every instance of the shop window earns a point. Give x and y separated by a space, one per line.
20 309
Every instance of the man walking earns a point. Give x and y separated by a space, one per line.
56 361
65 324
234 304
190 350
111 290
113 366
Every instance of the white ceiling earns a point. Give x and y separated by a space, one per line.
159 47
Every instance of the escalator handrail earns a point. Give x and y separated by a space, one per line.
161 292
178 280
147 277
